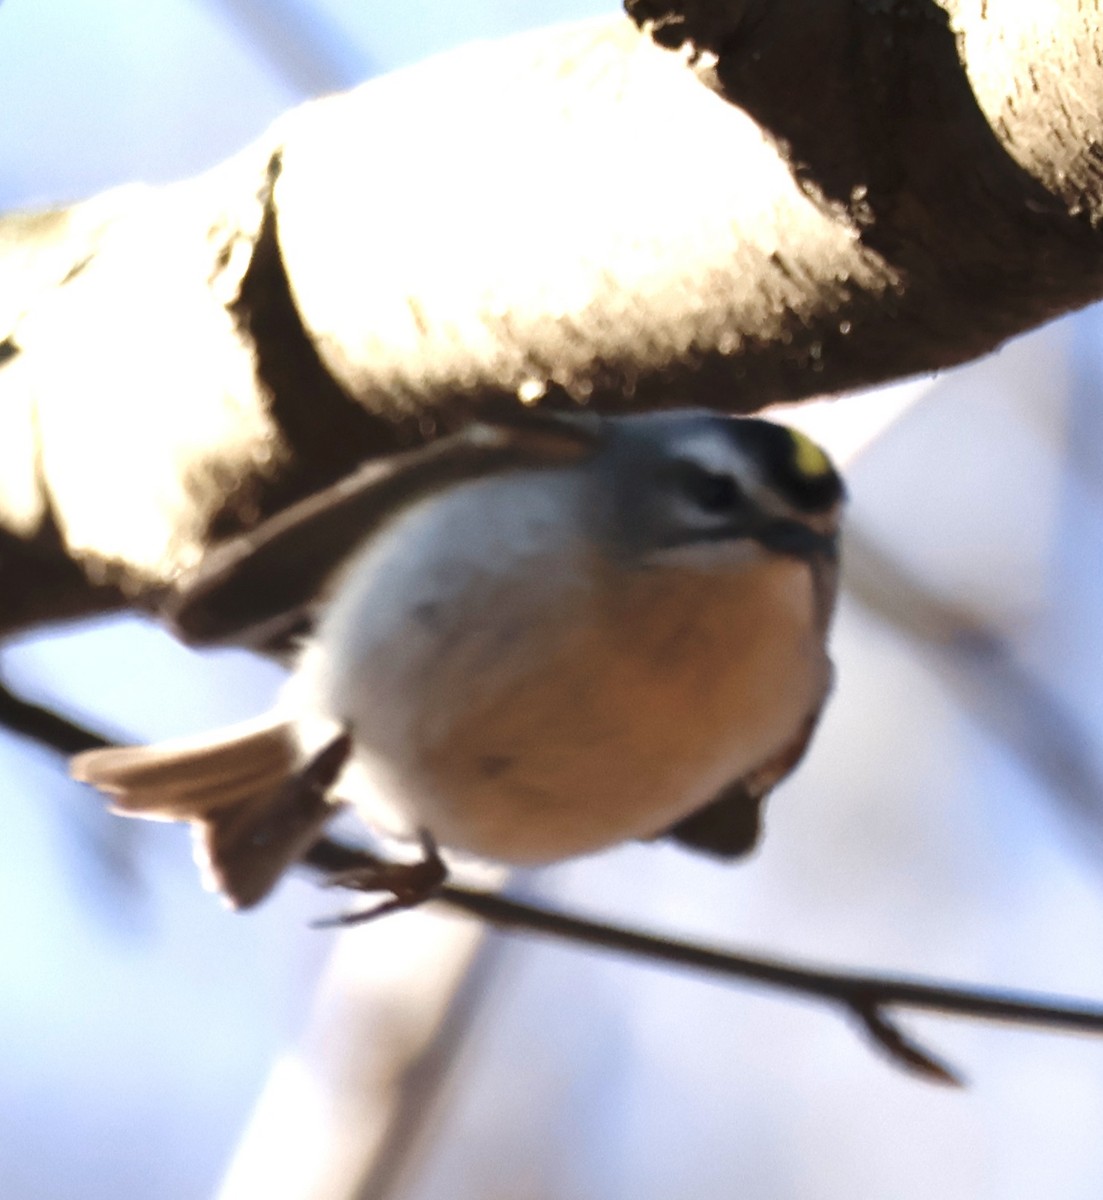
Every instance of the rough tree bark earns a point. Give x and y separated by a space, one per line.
729 202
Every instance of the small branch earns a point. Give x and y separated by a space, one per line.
46 727
903 1050
858 992
865 997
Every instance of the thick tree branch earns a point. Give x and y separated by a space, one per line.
861 191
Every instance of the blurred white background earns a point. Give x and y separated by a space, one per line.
152 1044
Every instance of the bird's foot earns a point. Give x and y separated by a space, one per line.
409 883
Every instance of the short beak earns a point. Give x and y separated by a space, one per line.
794 539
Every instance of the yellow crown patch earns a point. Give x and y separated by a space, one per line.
808 458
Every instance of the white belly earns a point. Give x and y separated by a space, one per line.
540 713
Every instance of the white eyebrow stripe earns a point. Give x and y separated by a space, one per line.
713 450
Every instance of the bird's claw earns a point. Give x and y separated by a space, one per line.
409 883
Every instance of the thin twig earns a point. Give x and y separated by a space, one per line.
905 1050
864 997
45 726
850 988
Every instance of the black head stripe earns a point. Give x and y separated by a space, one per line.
789 462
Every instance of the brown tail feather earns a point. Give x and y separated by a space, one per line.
244 790
181 802
201 769
242 851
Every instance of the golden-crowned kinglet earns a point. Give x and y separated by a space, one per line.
533 640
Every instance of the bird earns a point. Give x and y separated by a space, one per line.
529 640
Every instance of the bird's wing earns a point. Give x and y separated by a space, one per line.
256 588
729 825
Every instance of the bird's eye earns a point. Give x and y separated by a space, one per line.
712 491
